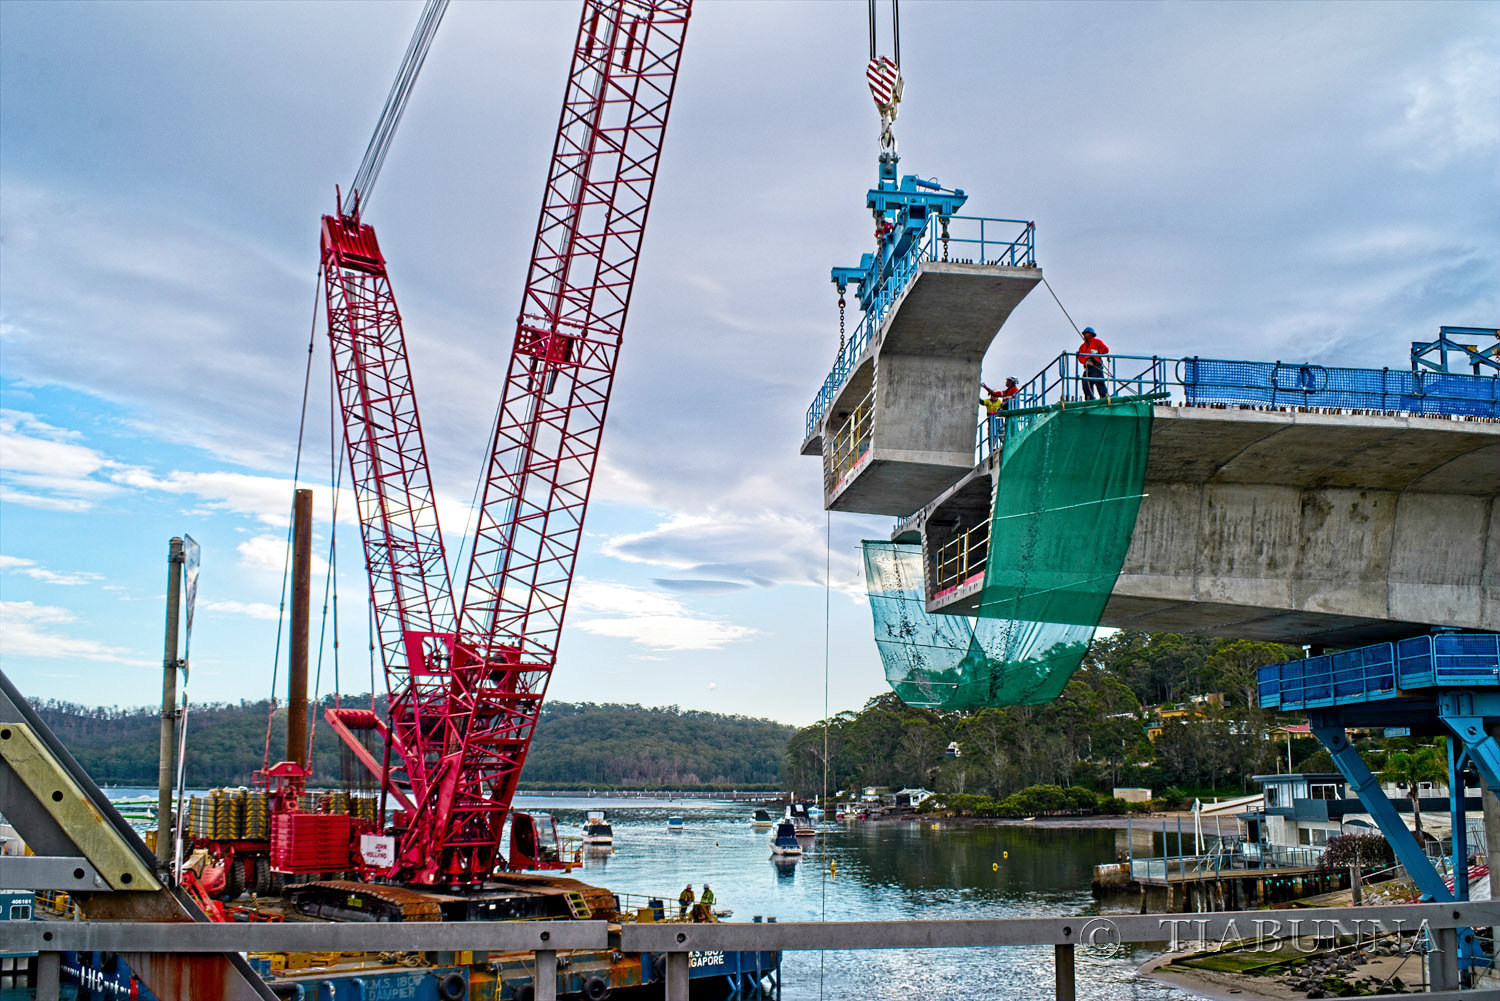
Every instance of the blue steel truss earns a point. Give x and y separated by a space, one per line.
1444 683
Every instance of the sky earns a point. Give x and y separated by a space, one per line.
1302 182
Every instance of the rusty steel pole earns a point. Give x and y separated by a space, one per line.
169 666
296 717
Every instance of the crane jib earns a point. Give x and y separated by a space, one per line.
466 681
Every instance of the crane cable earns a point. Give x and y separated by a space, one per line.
286 567
895 32
395 106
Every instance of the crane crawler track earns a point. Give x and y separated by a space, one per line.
350 900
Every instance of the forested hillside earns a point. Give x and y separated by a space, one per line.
586 745
1094 735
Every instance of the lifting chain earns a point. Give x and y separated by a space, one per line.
943 220
841 322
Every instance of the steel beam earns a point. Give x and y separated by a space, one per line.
1468 714
1328 725
86 831
50 872
301 936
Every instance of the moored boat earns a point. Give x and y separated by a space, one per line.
802 821
785 842
596 829
674 823
762 819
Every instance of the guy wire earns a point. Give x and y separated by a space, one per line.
286 566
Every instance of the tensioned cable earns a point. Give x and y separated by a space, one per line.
872 31
1060 305
827 634
896 32
330 580
395 106
286 566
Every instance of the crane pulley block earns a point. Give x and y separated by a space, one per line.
350 245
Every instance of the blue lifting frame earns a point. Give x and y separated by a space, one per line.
1446 342
908 207
1425 683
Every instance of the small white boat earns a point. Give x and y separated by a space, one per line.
803 823
596 830
674 823
785 841
762 819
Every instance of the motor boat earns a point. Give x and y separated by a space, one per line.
798 815
762 819
674 823
596 830
785 842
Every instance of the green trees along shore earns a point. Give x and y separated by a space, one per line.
1176 714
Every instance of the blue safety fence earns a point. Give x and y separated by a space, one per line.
1382 671
966 239
1275 385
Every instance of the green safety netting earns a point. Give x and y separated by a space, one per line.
1067 493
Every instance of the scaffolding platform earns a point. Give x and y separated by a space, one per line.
1443 684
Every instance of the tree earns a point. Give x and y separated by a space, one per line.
1411 769
1356 852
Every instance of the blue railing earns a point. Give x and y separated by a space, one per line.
1382 671
969 239
1271 384
1214 381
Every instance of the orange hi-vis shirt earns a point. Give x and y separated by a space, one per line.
1093 350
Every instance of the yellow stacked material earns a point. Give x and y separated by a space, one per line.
338 801
257 816
236 799
201 817
223 806
309 802
362 807
151 841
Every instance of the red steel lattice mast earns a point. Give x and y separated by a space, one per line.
464 701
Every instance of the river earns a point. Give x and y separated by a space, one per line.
861 871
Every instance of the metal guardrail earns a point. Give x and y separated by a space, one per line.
1439 922
1278 385
1381 671
847 445
1275 385
961 558
975 235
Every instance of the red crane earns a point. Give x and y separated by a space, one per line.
466 681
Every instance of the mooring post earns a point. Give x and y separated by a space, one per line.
678 973
545 980
297 643
165 779
1063 958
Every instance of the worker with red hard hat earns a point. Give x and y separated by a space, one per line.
1091 360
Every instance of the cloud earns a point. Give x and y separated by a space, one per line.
693 586
43 466
270 553
1451 110
650 618
267 499
725 549
251 609
28 630
30 568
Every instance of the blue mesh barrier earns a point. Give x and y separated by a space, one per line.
1274 384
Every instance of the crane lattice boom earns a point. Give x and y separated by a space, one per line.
464 697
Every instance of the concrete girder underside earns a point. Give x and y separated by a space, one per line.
1334 529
